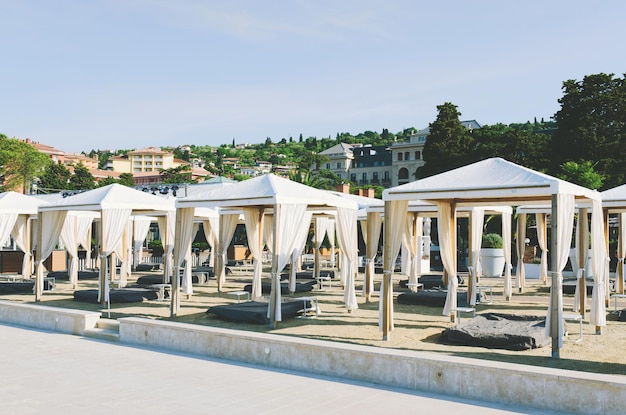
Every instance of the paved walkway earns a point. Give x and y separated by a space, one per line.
52 373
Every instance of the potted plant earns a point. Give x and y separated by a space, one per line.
492 255
156 247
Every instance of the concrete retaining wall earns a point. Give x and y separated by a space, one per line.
63 320
530 386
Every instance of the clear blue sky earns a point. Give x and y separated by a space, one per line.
121 74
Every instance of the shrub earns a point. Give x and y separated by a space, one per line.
492 240
155 243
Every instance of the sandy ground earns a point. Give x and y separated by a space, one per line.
416 327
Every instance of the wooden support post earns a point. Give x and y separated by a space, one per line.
583 248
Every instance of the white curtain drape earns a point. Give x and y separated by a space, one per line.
621 254
506 239
347 235
268 233
69 237
299 244
253 219
582 245
542 239
404 257
394 229
226 230
446 228
410 242
114 221
167 225
374 227
290 219
183 237
21 238
520 282
331 236
7 222
211 226
141 227
84 239
321 229
477 220
565 214
600 266
122 251
51 223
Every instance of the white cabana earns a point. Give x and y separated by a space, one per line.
371 225
491 182
291 205
578 258
115 204
416 235
16 213
75 227
614 202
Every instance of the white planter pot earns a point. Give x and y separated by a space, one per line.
531 271
492 261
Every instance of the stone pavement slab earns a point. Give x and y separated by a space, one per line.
48 372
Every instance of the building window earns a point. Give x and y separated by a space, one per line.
353 177
418 155
327 166
399 156
386 174
407 156
364 176
403 174
339 165
375 177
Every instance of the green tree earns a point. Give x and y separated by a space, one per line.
55 177
592 126
20 164
582 174
310 179
107 181
516 144
180 174
82 179
127 179
449 143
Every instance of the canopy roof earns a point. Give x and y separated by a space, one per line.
362 201
113 196
615 199
489 182
13 202
263 191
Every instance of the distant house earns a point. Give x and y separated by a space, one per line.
340 158
371 165
150 159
